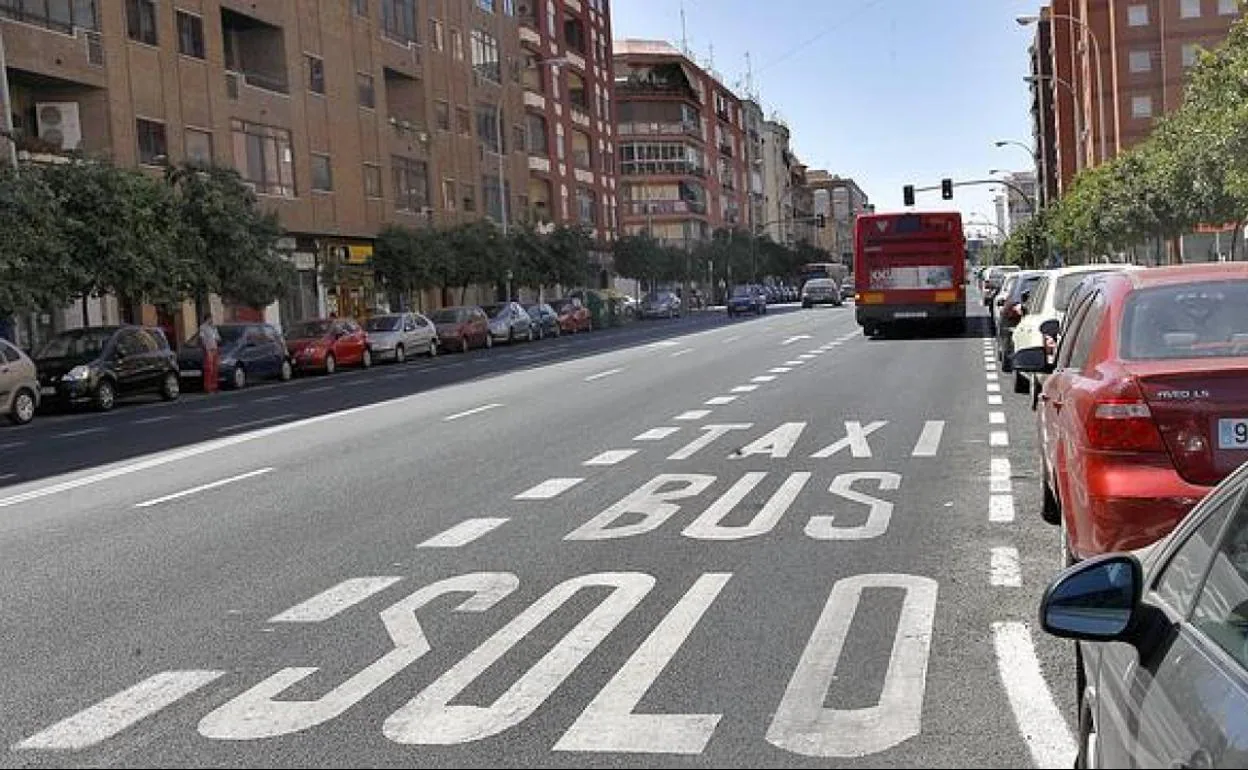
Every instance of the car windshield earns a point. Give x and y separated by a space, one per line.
1066 286
384 323
743 291
449 315
1192 320
494 311
657 296
308 329
79 343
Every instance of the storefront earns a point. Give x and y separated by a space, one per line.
352 290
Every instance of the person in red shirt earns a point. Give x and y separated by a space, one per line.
210 340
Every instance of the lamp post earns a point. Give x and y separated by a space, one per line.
1028 20
1080 156
1035 162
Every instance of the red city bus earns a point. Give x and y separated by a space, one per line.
909 268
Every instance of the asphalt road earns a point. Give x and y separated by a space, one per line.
767 543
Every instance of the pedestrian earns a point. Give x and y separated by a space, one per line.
209 340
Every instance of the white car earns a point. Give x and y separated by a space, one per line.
1048 302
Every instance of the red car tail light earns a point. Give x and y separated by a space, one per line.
1120 420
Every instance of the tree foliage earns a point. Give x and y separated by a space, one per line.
36 270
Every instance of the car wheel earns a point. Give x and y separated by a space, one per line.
331 364
238 378
367 359
1021 383
105 396
169 388
400 354
23 410
433 348
286 372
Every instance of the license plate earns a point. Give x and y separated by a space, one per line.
48 390
910 314
1233 433
192 373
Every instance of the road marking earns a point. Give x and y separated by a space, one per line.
118 712
82 432
261 421
1042 727
335 600
692 414
998 438
795 338
319 389
929 439
12 445
733 338
150 420
463 533
779 370
763 378
806 356
548 489
744 389
794 362
1001 509
1004 568
7 476
720 400
217 408
277 397
202 488
991 376
680 353
664 344
610 457
474 410
999 476
654 434
600 375
994 387
996 418
994 399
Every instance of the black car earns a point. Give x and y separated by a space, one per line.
248 351
98 364
1162 661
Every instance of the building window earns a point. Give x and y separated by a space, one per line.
448 194
491 194
520 140
457 45
322 173
509 7
398 19
1140 61
1141 106
1228 7
488 127
1191 54
360 7
486 5
316 74
537 139
190 35
1137 15
442 115
372 180
435 27
463 121
152 148
1189 9
485 55
141 20
198 147
60 15
365 91
586 206
470 197
263 156
411 184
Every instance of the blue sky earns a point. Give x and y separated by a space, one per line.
889 92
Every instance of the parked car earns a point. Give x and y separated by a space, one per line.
660 304
545 319
247 351
993 280
1012 303
462 327
1162 642
324 344
98 364
19 384
395 336
1146 406
509 321
821 291
573 315
746 299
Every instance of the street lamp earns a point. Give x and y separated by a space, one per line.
1028 20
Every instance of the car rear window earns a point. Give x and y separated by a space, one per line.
1192 320
1066 286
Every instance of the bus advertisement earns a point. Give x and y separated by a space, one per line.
909 268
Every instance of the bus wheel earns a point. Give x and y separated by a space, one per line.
869 330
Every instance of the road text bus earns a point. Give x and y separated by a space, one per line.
909 268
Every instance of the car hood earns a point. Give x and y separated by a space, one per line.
55 367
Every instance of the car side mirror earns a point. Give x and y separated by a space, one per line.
1098 600
1031 360
1051 328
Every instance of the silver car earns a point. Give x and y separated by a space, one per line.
395 336
509 321
19 387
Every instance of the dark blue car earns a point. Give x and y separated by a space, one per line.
747 299
248 351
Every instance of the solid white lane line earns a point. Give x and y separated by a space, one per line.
693 414
203 487
763 378
118 712
654 434
150 420
217 408
7 476
74 433
998 438
277 397
1001 509
253 423
720 400
548 489
1039 722
744 389
467 412
794 362
335 600
680 353
463 533
806 356
600 375
999 476
610 457
994 399
795 338
996 418
1003 567
319 389
779 370
929 439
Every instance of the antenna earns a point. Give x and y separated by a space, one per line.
710 57
749 77
684 37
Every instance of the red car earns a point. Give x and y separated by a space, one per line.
573 315
462 328
1146 406
324 344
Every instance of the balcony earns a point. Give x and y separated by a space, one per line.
539 163
660 129
48 50
575 59
579 117
583 176
255 54
725 149
529 35
663 208
661 168
535 100
626 88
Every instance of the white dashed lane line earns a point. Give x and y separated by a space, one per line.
76 433
467 412
996 418
994 399
1003 566
464 533
600 375
654 434
999 476
611 457
998 438
548 489
720 400
1001 508
744 388
693 414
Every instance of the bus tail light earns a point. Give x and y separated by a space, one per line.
871 298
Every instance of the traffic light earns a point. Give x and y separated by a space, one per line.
946 189
907 195
820 220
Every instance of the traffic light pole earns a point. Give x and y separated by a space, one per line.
1031 205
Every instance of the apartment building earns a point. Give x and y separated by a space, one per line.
344 114
681 146
840 200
